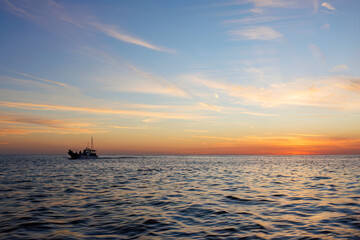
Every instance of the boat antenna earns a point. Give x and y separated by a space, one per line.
91 142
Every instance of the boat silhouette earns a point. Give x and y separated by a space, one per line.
87 153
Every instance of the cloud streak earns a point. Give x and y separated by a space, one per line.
92 110
316 52
327 92
129 78
326 26
130 127
46 81
252 20
255 33
274 3
328 6
27 124
61 20
340 68
113 32
25 131
263 3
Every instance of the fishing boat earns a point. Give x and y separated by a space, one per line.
87 153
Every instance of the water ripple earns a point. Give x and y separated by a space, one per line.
180 197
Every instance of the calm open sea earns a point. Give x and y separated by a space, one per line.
180 197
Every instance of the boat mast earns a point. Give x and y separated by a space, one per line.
91 143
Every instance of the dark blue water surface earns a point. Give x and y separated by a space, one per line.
180 197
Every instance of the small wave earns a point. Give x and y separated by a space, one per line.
148 170
220 212
131 230
34 226
245 213
352 222
153 223
80 221
160 203
184 197
6 189
254 226
320 178
197 211
71 190
279 195
227 230
247 201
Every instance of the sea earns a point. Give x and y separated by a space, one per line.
180 197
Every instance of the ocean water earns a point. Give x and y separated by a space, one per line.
180 197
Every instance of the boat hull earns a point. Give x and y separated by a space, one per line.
75 155
84 157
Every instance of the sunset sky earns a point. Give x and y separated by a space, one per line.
180 77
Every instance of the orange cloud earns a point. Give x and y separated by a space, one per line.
21 125
328 92
25 131
130 127
34 106
31 120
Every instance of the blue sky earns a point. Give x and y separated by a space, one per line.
180 74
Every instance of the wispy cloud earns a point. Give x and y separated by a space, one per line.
328 6
112 31
351 85
92 110
31 120
151 120
327 92
24 131
316 52
136 84
15 124
263 19
252 20
130 127
340 68
326 26
46 80
315 4
255 33
210 106
152 84
258 114
60 19
126 77
195 130
36 89
263 3
275 3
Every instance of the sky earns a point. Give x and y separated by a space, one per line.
180 77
